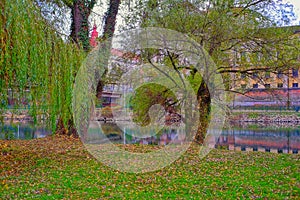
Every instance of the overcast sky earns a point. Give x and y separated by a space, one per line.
296 4
100 9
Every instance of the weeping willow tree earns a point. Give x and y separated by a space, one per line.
35 59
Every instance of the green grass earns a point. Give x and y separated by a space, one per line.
60 168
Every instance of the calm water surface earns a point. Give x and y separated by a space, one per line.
22 131
266 139
279 140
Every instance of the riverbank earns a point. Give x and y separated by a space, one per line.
21 115
287 117
59 167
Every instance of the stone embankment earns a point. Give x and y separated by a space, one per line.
293 118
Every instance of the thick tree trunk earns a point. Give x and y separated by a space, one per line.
204 103
111 18
61 129
80 12
99 89
3 42
77 19
109 29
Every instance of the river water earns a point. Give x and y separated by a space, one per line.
266 139
23 131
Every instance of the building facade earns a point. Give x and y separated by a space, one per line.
274 87
266 89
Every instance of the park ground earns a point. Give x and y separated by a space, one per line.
59 167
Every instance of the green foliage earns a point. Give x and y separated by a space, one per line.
195 81
233 33
147 96
227 30
33 57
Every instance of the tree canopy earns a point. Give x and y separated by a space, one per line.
35 59
240 36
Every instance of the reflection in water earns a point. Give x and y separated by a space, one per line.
279 141
22 131
243 139
111 132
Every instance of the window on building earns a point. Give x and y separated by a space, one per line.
267 74
295 72
279 74
255 85
295 85
280 85
267 86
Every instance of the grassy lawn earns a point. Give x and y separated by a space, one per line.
58 167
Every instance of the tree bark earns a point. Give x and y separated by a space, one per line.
80 12
109 29
204 103
111 18
3 41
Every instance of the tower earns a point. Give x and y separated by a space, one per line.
93 41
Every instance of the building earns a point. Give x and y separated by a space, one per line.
94 36
275 89
272 89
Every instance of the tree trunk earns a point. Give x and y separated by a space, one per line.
204 103
80 12
111 18
109 29
3 44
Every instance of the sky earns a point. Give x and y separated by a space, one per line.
100 9
296 4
